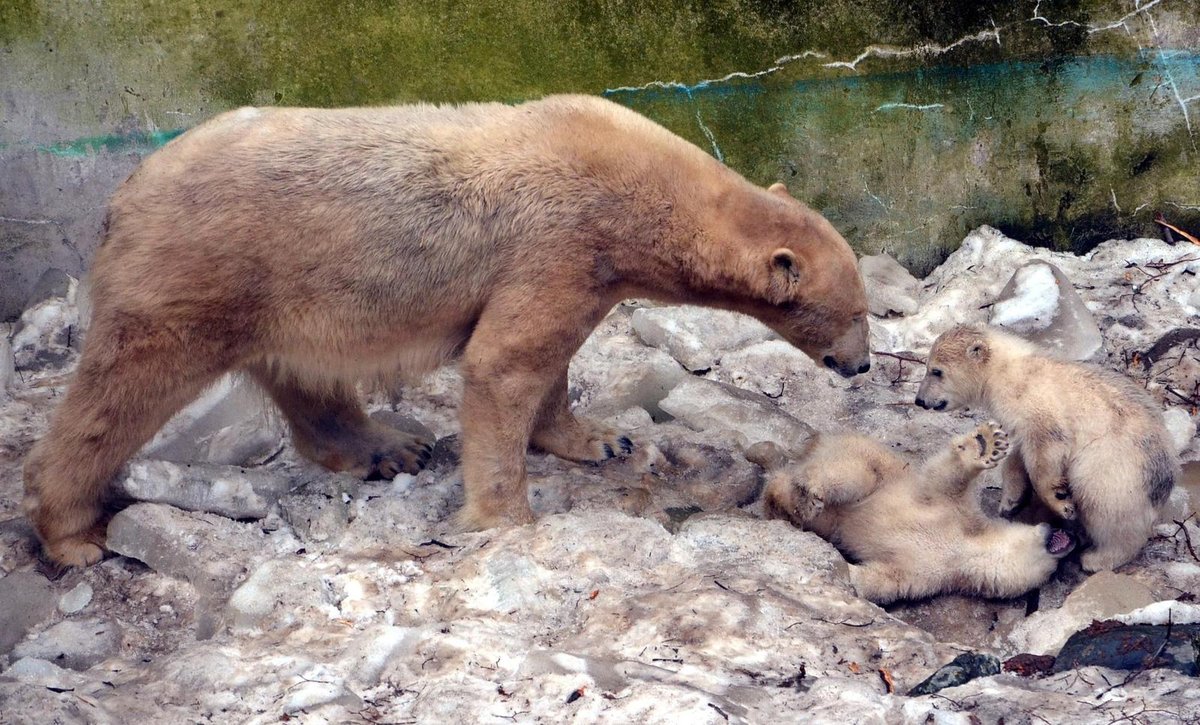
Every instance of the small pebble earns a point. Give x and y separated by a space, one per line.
76 599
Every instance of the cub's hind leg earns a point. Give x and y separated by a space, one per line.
833 471
1047 467
884 583
329 427
134 374
560 432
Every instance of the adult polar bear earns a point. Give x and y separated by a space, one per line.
313 248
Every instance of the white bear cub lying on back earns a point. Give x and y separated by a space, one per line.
914 532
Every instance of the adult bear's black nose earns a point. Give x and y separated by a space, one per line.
921 402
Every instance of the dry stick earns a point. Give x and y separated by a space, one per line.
1158 219
1146 665
903 359
1186 536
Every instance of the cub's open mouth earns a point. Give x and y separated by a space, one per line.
1059 543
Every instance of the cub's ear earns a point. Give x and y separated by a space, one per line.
978 350
785 264
779 190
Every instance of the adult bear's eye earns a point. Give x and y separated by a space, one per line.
936 373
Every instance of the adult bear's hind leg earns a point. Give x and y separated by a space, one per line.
329 427
134 374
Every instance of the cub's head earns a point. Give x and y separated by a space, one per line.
814 294
956 369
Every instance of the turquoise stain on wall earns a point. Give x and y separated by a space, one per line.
112 143
910 160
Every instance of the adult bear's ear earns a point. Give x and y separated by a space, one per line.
785 267
779 189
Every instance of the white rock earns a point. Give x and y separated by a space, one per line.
279 594
209 551
616 373
891 289
696 336
1182 427
1040 304
42 673
76 599
747 417
75 643
45 335
767 367
234 492
1167 611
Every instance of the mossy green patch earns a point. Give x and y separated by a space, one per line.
18 19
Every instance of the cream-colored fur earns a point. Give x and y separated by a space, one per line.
314 248
1089 442
911 531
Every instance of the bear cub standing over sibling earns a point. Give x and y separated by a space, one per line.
1089 442
909 532
314 248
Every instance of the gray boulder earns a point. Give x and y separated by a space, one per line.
696 336
891 289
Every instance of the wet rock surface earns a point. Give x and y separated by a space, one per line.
649 590
1133 647
961 670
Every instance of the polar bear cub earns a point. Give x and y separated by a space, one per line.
1089 442
914 531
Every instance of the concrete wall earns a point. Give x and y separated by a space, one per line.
907 123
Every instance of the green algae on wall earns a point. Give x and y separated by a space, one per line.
907 123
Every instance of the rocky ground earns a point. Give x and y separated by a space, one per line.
249 586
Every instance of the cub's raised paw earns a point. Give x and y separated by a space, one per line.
985 447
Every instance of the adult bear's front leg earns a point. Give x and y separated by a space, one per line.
516 356
560 432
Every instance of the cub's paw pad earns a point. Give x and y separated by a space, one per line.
1059 543
990 444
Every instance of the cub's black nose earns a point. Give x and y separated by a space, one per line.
864 367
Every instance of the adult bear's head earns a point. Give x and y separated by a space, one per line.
811 292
